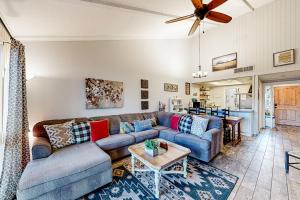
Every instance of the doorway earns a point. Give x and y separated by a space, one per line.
287 105
281 104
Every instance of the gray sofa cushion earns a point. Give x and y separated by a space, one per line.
77 189
192 142
63 167
131 117
150 115
164 118
214 122
168 134
114 123
160 128
143 135
115 141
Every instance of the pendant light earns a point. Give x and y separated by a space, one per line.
199 73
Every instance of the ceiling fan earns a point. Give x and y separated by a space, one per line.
204 11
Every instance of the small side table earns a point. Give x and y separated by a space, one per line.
294 154
234 121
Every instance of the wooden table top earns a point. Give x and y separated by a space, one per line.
175 153
233 118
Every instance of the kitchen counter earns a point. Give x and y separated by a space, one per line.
247 116
243 110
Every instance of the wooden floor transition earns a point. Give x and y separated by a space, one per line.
259 164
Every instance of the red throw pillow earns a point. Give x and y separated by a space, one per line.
99 130
174 121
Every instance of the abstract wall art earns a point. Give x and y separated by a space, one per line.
103 94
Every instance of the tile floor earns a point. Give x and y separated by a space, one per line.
259 164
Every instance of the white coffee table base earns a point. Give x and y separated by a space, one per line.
158 173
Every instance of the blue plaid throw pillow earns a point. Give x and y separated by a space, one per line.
82 132
185 124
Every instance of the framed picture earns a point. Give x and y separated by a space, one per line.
144 84
168 87
144 105
103 94
284 58
224 62
187 88
144 94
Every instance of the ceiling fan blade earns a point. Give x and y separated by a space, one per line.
215 3
218 17
198 4
180 19
194 27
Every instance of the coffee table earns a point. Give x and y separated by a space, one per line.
160 163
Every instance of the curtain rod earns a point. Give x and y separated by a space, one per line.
6 29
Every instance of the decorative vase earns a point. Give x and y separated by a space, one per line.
151 152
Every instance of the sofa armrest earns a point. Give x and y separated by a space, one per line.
215 137
41 148
211 134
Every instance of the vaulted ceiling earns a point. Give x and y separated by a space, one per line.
106 19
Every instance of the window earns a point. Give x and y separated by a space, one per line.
4 62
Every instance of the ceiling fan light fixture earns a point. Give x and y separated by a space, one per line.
204 11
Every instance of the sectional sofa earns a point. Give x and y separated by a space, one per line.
76 170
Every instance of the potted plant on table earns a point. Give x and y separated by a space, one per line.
151 147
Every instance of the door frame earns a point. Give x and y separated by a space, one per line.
273 85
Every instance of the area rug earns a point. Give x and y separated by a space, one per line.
204 182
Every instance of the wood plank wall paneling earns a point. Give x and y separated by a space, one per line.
255 37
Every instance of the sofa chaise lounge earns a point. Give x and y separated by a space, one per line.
76 170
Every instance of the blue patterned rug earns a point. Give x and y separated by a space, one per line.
204 182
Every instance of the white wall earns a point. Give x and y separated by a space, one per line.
57 89
255 37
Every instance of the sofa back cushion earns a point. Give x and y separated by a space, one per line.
114 123
131 117
214 122
39 130
164 118
150 115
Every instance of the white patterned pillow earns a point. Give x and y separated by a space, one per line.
199 126
60 135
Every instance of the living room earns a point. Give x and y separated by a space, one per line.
214 94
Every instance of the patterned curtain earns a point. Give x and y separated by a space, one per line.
16 149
